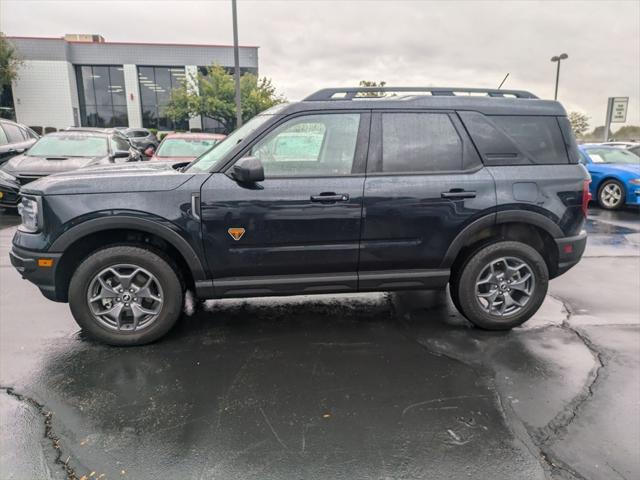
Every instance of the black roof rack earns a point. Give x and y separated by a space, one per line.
350 93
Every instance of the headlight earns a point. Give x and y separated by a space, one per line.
635 181
30 210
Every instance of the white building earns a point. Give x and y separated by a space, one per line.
81 80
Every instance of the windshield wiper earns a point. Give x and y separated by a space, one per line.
56 158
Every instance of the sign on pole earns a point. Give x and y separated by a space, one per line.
619 113
616 113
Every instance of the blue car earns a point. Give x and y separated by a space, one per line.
615 175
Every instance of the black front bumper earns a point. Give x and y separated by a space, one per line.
570 250
26 262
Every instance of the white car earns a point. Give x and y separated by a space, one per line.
626 145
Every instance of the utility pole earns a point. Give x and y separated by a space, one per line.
236 63
558 59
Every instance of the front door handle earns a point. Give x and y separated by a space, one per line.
458 193
330 197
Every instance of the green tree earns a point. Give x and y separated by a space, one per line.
597 134
628 133
579 123
371 83
214 97
9 63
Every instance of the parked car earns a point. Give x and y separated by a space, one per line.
69 150
626 145
615 175
413 191
141 138
631 146
14 139
9 190
186 146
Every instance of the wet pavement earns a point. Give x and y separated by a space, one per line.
376 386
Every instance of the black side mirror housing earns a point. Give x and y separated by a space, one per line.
248 170
120 154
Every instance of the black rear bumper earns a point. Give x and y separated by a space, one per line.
570 250
26 263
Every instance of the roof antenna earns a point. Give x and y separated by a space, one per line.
502 82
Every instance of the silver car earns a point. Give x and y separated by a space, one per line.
141 138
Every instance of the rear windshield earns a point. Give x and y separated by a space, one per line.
185 147
70 146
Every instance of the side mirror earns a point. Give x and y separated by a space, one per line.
248 170
120 154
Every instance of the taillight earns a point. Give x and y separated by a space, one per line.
586 197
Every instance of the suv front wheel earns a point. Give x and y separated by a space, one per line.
501 285
125 295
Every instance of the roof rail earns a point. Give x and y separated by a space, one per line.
350 93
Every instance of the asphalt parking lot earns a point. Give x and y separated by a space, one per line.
376 386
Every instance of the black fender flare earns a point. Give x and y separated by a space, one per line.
507 216
118 222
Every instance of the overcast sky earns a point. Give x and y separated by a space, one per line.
307 45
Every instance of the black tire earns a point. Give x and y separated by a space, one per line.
463 285
163 271
606 204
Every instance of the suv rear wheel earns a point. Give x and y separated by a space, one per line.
125 295
501 285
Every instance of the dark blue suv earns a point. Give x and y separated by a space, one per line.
350 190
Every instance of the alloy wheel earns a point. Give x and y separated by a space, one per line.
611 195
125 297
505 286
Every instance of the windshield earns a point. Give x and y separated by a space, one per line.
185 147
612 155
210 158
70 146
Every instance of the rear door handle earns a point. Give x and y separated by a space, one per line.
458 193
330 197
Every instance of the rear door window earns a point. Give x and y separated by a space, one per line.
419 142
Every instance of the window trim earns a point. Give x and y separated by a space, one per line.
360 155
375 148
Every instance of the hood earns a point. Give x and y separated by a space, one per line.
26 165
627 167
119 178
172 159
633 168
8 182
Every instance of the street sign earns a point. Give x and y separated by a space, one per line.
619 109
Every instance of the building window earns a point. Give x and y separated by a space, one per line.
103 101
156 84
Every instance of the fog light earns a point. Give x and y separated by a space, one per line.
567 248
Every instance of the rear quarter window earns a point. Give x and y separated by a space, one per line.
516 139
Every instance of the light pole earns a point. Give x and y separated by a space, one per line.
558 59
236 63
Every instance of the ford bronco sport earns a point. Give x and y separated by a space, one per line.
341 192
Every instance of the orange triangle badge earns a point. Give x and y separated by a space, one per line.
236 233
